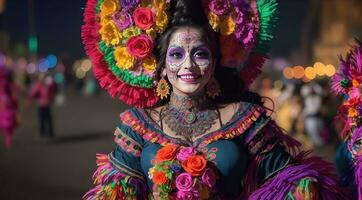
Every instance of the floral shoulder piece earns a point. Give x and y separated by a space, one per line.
182 173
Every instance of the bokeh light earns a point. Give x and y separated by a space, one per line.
80 73
52 59
310 73
298 72
31 68
329 70
278 84
288 73
43 65
86 65
319 68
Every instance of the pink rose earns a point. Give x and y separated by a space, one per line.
122 19
144 18
190 195
354 93
219 7
140 46
209 178
184 182
185 153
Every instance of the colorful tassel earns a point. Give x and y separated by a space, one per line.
113 184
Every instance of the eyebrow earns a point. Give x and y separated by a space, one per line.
178 46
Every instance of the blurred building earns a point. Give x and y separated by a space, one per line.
330 26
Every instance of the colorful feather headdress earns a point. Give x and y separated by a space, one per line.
347 82
119 37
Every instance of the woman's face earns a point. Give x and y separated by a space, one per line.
189 61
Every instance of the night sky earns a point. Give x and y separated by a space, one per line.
58 25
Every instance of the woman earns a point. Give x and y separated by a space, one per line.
347 82
195 133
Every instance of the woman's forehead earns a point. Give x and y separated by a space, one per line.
186 36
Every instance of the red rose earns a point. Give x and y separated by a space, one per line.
166 153
194 165
140 46
144 18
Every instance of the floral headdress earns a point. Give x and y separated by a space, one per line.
120 38
348 83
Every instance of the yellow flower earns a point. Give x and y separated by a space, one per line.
131 31
110 34
214 21
227 25
108 7
159 4
151 32
149 64
352 112
161 20
105 20
123 59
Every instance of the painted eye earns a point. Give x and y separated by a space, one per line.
176 55
201 54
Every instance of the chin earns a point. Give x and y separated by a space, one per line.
190 89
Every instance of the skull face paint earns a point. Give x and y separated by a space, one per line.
189 61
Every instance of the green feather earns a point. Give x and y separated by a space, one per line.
98 8
267 18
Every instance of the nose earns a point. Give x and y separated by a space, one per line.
189 63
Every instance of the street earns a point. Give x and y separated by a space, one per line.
60 168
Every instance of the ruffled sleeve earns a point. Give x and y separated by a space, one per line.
281 171
119 174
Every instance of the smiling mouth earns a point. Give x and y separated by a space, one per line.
189 78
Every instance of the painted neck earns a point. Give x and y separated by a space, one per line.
197 102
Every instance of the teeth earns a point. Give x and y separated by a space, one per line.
188 76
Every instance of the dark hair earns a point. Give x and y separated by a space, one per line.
189 13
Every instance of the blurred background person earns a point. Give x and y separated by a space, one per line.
43 91
8 106
313 122
289 114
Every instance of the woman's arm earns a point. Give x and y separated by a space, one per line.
285 173
119 174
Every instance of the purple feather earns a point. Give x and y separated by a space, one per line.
318 171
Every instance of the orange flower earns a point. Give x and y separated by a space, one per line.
194 165
159 178
352 112
166 153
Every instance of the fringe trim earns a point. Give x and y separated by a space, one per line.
318 171
131 95
114 185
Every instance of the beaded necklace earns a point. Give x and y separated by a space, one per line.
189 117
